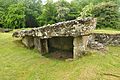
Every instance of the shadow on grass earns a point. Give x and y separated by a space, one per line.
64 56
60 55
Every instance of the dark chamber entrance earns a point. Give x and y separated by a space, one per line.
61 47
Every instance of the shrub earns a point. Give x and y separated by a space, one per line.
108 15
14 18
87 11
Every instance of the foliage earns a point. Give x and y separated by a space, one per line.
36 14
87 11
1 16
15 16
3 9
107 15
63 9
48 14
19 13
33 9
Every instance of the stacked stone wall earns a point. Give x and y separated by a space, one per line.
107 39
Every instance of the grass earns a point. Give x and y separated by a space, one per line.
107 31
20 63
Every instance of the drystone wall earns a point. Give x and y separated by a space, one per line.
99 41
107 39
93 44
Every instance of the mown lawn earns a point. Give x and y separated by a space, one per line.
20 63
107 31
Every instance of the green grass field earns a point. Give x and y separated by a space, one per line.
107 31
20 63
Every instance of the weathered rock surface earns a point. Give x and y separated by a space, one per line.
69 28
107 39
96 45
92 44
28 41
99 41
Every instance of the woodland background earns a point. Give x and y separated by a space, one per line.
33 13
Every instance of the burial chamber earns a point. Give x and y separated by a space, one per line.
69 36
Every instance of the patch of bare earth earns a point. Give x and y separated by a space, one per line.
61 55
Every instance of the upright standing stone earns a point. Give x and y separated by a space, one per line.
77 42
85 39
44 46
28 41
37 43
79 45
41 45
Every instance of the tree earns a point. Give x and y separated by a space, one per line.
107 14
32 13
48 15
87 11
33 9
15 16
4 4
63 9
